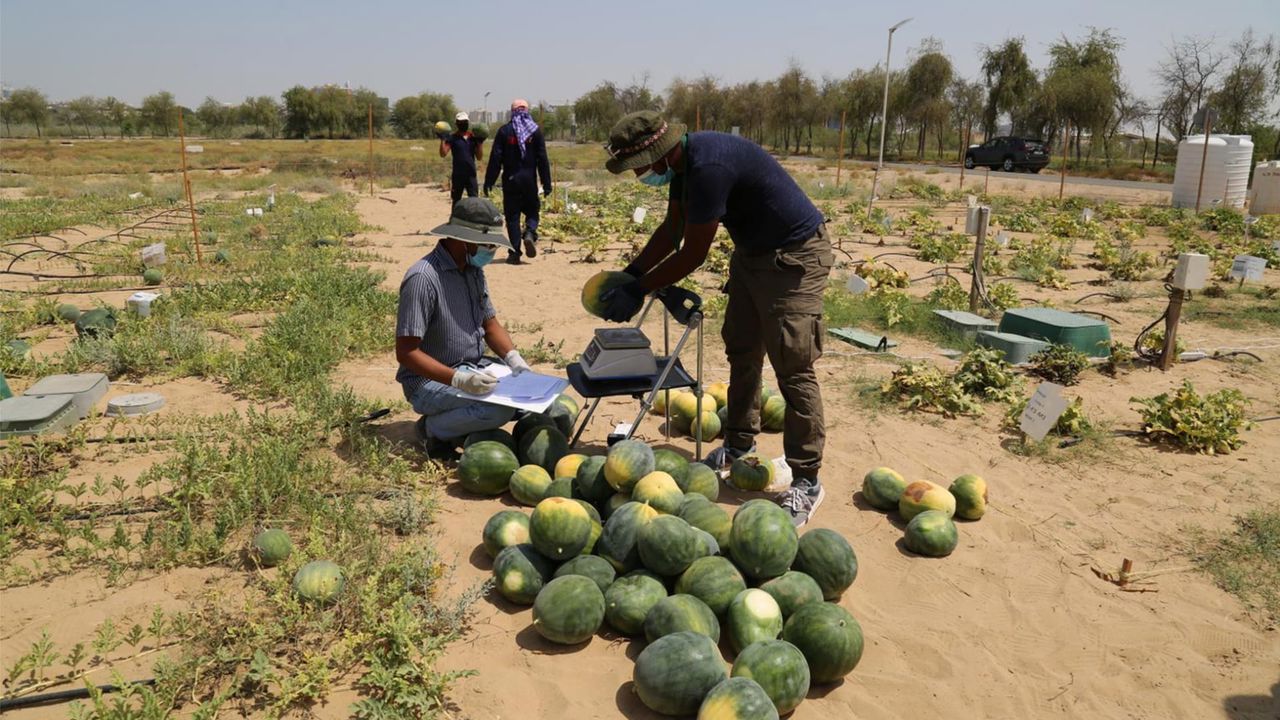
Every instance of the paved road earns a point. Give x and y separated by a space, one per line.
1053 178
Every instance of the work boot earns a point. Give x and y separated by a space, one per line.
530 238
723 456
802 499
513 259
435 448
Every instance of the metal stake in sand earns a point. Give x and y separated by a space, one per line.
1168 354
186 186
840 149
1066 140
370 149
1204 156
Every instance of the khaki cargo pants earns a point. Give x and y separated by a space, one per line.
775 310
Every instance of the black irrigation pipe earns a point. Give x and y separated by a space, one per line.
1113 296
40 276
1099 314
62 696
897 254
51 253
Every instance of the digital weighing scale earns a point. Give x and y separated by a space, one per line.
618 353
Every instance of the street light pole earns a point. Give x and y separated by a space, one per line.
485 112
884 120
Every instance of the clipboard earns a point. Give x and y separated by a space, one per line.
528 391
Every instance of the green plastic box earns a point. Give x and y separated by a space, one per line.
35 414
1090 336
1017 349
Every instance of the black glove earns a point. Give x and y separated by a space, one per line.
487 188
623 302
546 192
633 271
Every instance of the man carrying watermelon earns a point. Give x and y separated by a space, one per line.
777 275
443 325
467 149
519 154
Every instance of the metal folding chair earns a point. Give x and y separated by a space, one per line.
685 308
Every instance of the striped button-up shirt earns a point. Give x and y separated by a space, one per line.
446 306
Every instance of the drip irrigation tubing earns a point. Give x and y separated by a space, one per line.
62 696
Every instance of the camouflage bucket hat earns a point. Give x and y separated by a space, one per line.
639 139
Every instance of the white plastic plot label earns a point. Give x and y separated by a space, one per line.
1043 410
1248 267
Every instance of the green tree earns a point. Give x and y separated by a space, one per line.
416 115
1011 83
262 112
926 88
357 120
6 115
117 113
159 112
215 117
1244 93
862 97
792 108
1186 77
85 111
700 102
1083 81
301 112
597 110
966 101
30 105
334 106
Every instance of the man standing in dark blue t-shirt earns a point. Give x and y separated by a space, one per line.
467 150
777 276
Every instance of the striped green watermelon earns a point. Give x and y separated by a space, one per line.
597 527
485 468
773 413
673 464
882 487
737 698
519 572
568 465
763 541
496 435
668 545
559 528
779 667
589 566
932 533
828 637
272 547
504 529
598 285
614 502
560 487
542 446
660 491
589 480
714 581
529 484
529 422
618 543
675 673
626 463
793 590
753 615
752 472
702 480
970 492
826 556
706 515
319 581
679 613
629 599
568 610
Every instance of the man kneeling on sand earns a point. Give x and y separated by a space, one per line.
443 325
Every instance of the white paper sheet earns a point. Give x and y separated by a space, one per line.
530 391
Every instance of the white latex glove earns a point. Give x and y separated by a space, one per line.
516 363
473 381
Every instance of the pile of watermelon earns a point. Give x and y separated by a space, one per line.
634 541
686 420
928 508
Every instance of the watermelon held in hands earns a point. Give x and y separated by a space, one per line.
504 529
629 600
780 669
882 488
752 472
568 610
520 572
923 495
793 590
674 673
970 492
702 480
598 285
932 533
272 547
753 615
543 446
660 491
485 468
714 581
668 545
827 557
626 463
763 541
773 413
737 698
680 613
559 528
828 637
319 581
529 484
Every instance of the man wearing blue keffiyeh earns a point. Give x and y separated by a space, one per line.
520 154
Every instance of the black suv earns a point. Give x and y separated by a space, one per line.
1008 154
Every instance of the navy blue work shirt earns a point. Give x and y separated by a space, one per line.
463 148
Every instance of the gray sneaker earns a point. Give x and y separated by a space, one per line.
802 501
723 456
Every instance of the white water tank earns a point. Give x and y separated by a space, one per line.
1226 172
1265 199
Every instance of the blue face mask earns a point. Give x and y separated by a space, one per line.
649 177
482 257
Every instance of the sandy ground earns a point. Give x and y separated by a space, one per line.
1014 624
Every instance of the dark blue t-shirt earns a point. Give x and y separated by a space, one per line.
735 181
463 148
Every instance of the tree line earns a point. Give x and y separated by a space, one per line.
933 110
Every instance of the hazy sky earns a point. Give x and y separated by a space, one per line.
549 50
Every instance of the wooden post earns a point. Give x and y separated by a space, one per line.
1168 354
1066 140
698 126
186 186
840 149
986 183
1204 158
963 150
370 149
975 285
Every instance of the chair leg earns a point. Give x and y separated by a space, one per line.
583 425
